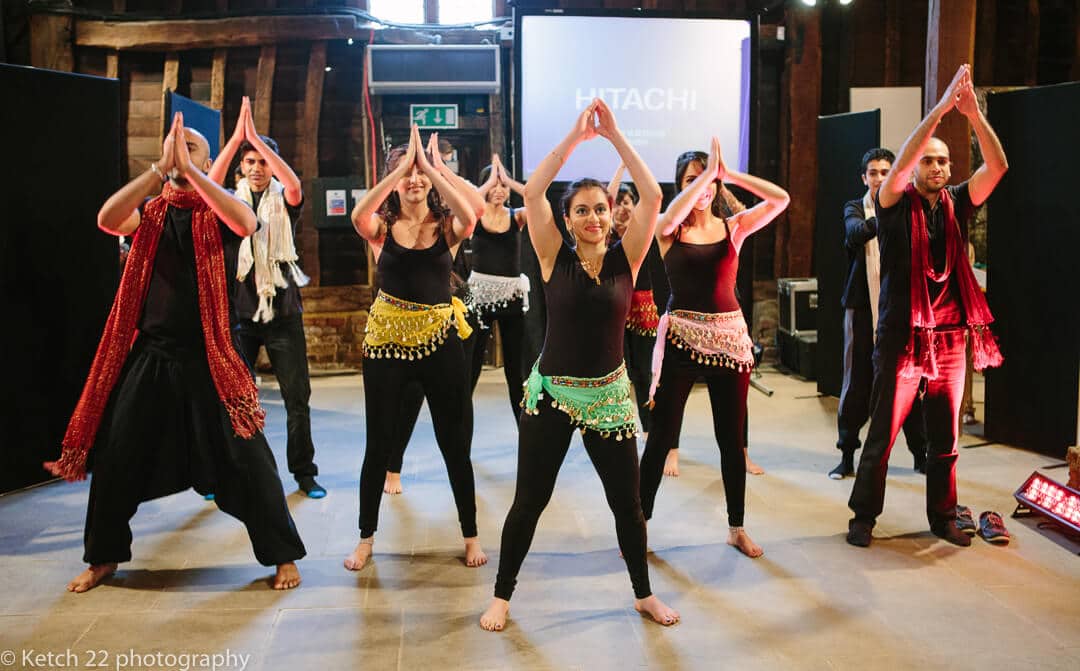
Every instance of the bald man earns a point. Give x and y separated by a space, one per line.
930 304
169 403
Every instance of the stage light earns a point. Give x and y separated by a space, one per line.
1056 501
349 41
328 68
845 3
809 3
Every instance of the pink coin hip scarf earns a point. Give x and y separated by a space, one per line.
712 339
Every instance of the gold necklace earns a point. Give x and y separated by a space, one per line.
591 268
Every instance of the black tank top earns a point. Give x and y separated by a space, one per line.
702 276
497 253
586 320
417 275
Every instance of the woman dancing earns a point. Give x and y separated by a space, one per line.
409 331
580 379
703 333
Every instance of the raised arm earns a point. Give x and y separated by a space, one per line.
616 181
995 165
220 168
367 225
774 200
491 181
465 216
639 232
464 186
892 189
514 185
294 194
679 208
120 214
235 213
543 232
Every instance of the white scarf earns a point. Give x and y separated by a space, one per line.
269 247
873 262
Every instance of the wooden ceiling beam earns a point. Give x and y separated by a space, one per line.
247 31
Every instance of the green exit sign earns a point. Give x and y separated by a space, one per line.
434 116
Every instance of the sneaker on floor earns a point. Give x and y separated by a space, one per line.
313 489
845 468
992 528
969 418
949 531
859 534
208 497
965 521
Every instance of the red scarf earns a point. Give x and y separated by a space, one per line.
232 381
923 362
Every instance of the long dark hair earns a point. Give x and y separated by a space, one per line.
390 210
725 203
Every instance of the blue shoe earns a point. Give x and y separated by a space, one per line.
208 497
313 489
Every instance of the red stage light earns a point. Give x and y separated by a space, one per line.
1054 500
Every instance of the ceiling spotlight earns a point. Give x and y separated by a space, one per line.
350 40
809 3
845 3
328 68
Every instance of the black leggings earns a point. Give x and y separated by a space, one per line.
412 399
543 441
638 350
512 331
727 395
441 375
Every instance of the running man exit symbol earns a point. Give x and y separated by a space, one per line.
434 116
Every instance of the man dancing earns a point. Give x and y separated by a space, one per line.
174 402
930 303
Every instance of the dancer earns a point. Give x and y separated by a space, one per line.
267 291
703 332
169 403
497 284
930 302
641 323
409 331
861 292
412 399
580 380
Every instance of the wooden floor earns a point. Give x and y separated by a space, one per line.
812 602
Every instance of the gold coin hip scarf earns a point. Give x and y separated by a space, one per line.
600 404
492 292
711 339
400 329
643 318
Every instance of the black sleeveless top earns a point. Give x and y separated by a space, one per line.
417 275
497 253
585 320
702 276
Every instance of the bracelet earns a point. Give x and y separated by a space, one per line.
157 171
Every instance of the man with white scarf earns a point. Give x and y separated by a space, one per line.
860 302
267 290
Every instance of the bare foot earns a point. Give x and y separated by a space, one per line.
751 467
494 618
393 483
287 576
739 539
671 464
91 577
360 556
657 610
474 555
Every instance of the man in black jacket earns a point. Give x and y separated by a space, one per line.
860 319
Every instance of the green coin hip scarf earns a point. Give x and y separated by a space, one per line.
601 404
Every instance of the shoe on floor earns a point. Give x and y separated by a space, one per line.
845 468
860 534
965 521
313 489
992 528
969 418
949 531
208 497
